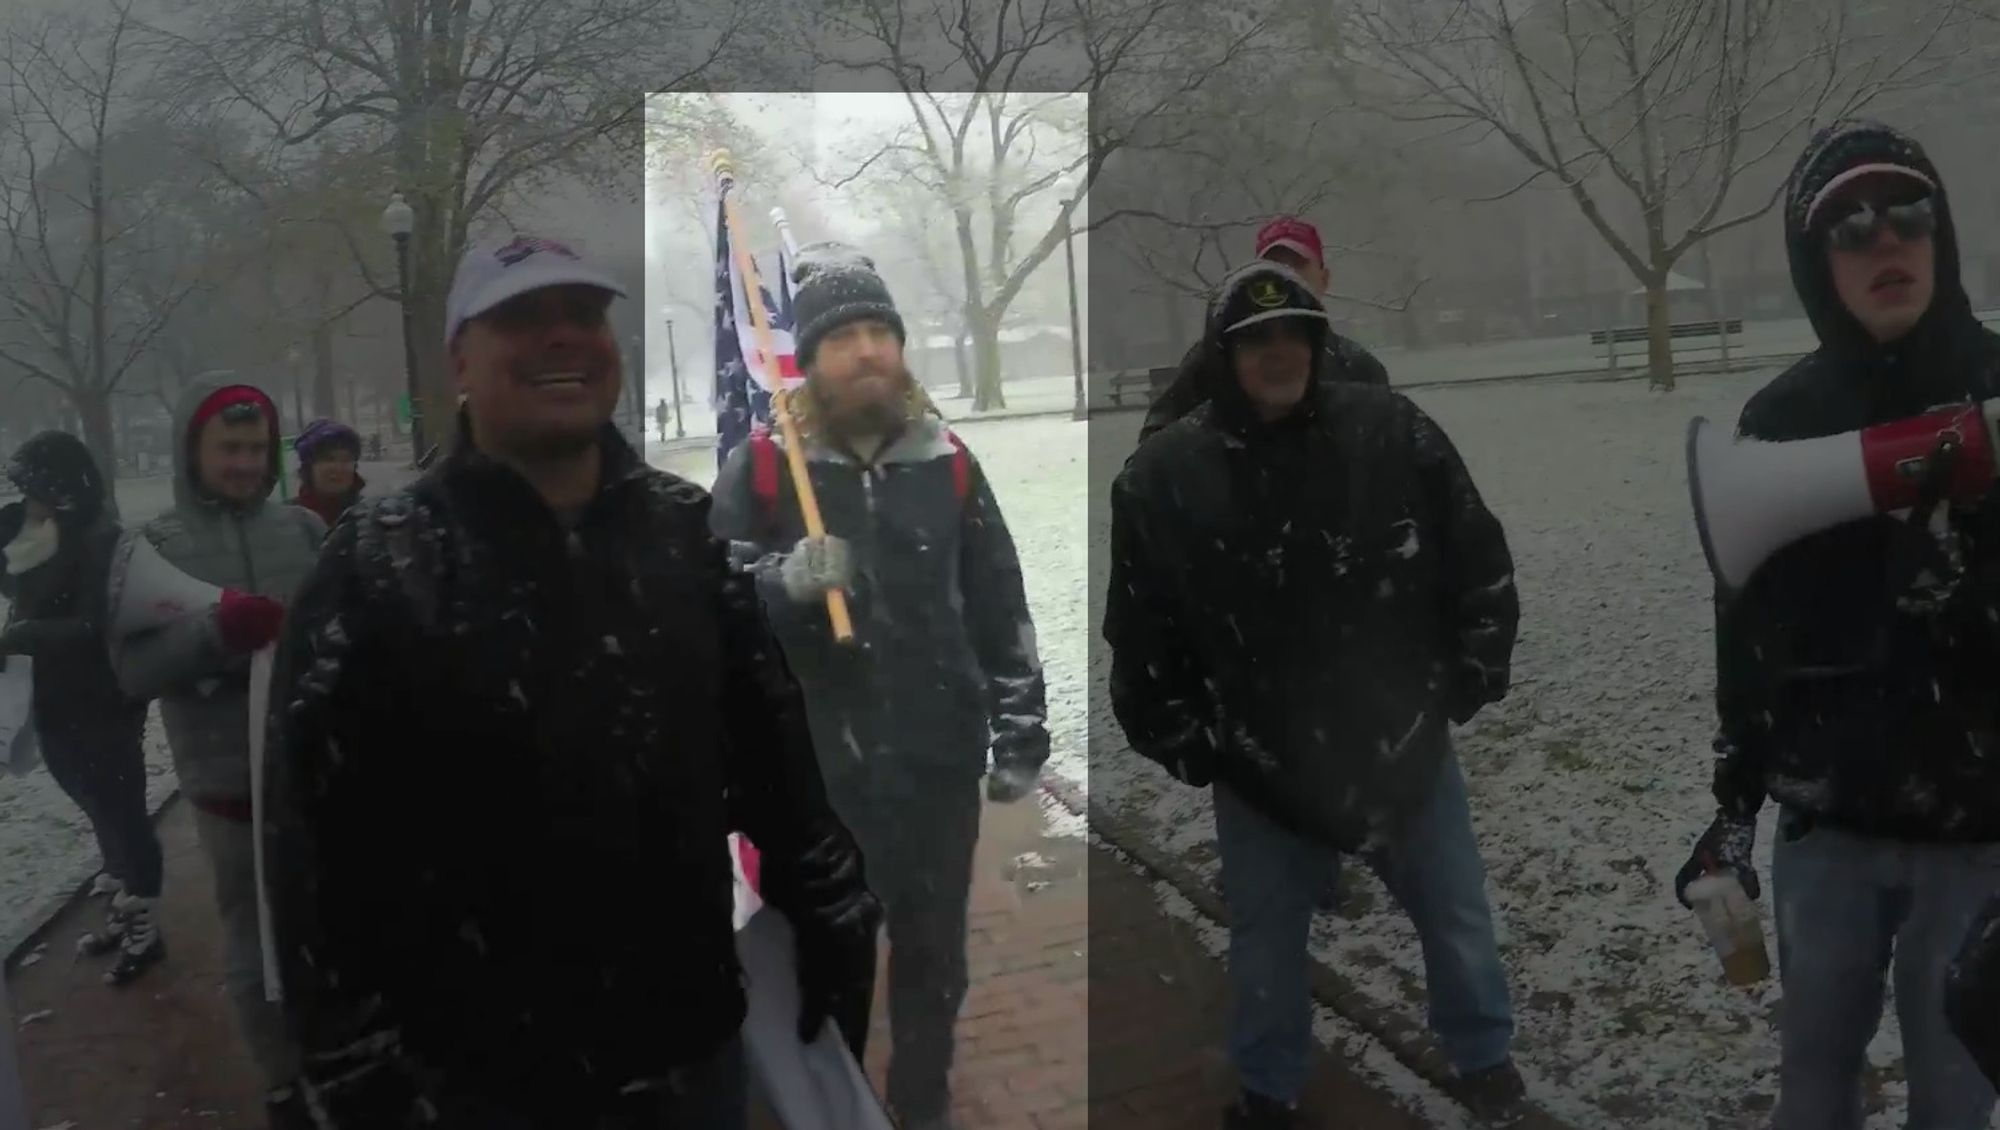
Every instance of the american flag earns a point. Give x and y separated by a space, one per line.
743 389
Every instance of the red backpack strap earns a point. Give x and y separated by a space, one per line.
764 471
961 467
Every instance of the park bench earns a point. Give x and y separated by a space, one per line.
1611 339
1145 384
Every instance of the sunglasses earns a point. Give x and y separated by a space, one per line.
1858 228
583 309
242 413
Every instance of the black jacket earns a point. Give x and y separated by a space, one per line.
944 662
1305 607
57 611
1204 365
508 759
1832 699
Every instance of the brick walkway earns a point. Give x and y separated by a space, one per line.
162 1055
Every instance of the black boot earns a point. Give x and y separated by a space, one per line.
1252 1111
1497 1096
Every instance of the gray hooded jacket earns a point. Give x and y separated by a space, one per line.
264 548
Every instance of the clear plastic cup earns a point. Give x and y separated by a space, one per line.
1733 927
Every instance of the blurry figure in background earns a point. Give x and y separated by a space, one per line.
225 529
943 668
1305 646
528 700
58 546
1972 992
328 481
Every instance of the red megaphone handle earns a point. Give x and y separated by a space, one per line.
1896 456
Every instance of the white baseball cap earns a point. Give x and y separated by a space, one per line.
493 273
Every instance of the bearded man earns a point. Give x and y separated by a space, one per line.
942 670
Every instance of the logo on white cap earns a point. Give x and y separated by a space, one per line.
490 276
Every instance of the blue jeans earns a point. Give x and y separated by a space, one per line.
1850 909
1271 879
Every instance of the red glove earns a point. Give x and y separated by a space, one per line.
247 621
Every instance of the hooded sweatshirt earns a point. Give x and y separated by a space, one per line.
1836 696
263 548
1301 608
58 605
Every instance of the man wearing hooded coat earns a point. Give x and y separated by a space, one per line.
55 559
1858 671
1306 591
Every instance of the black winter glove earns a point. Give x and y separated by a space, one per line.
835 919
1972 992
1726 845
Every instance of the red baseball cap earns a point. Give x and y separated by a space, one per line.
1292 232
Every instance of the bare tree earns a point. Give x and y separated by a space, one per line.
107 229
987 152
1657 117
466 104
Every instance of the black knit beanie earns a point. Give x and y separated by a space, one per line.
835 285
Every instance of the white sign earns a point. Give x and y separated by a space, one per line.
260 704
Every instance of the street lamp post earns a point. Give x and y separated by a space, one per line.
674 362
399 220
1081 410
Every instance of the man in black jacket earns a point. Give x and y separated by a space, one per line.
1295 243
1858 672
521 705
56 547
1306 591
943 668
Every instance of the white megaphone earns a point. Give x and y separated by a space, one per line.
1753 498
146 592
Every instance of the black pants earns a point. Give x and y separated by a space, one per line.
101 765
917 832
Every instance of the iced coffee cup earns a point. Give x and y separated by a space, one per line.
1734 930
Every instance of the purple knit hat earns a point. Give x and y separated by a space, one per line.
322 433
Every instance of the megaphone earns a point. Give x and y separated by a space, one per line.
147 592
1753 498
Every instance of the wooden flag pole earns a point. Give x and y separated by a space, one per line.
781 410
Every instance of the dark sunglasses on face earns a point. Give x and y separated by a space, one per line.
542 310
242 413
1858 228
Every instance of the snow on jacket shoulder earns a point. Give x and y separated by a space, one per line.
506 760
1314 602
1200 368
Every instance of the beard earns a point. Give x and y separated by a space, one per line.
869 411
